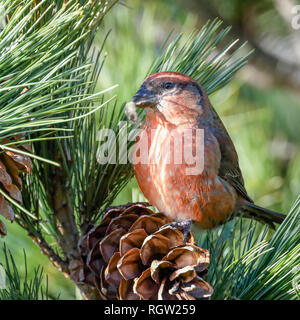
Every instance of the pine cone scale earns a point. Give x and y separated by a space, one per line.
110 244
11 164
132 240
129 264
145 286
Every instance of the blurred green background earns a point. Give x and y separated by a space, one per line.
260 107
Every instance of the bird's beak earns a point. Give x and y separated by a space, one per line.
145 98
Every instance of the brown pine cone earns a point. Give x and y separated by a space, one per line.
11 164
134 254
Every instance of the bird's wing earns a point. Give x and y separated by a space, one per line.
229 168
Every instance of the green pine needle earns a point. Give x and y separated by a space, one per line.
45 68
22 289
201 57
247 264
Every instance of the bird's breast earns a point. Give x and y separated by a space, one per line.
161 167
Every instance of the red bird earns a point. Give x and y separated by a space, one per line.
176 105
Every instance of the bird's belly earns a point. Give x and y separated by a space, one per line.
202 198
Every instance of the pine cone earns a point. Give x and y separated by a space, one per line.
134 254
11 163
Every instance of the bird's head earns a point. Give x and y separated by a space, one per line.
178 97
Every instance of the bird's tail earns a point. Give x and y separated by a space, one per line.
251 210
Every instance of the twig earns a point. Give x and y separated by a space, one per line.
55 259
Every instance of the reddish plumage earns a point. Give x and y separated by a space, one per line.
174 103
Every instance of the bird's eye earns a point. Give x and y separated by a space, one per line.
168 85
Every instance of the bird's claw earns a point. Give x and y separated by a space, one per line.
184 226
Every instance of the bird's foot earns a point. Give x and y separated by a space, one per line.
184 226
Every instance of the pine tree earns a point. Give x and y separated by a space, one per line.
48 100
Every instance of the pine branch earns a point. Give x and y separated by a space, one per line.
202 58
46 87
273 273
36 85
247 264
41 74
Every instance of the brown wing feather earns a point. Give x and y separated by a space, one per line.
229 167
